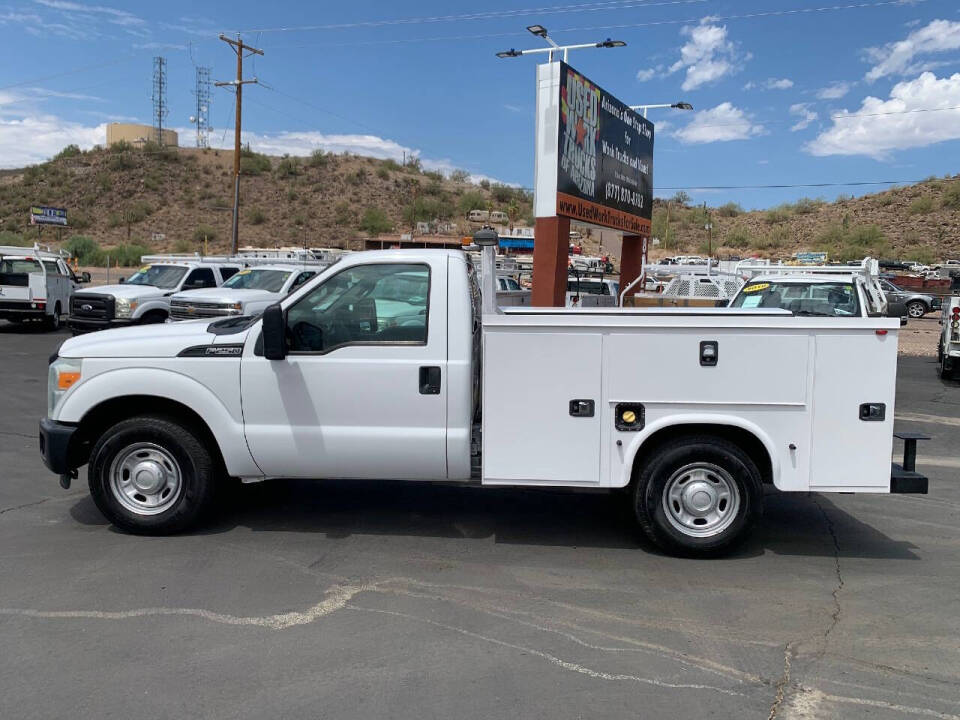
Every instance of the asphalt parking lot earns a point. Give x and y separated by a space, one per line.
340 600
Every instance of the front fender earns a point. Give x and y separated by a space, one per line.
226 429
155 303
692 418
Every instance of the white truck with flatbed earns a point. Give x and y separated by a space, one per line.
36 284
389 365
145 296
248 292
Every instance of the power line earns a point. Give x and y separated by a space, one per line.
847 116
95 66
483 15
623 26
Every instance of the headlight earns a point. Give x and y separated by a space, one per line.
235 308
125 307
64 373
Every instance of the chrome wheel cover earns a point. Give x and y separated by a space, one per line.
701 500
145 479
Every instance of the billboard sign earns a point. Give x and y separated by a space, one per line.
42 215
599 169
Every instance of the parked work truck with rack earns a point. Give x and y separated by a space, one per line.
387 366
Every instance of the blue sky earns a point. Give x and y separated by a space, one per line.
772 88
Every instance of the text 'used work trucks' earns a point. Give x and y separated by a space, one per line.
385 366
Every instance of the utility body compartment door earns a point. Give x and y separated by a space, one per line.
531 433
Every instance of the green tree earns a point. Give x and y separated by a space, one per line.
375 221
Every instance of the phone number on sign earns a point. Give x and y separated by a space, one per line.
620 194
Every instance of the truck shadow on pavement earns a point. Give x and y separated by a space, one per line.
793 524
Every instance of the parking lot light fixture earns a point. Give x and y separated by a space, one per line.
541 32
672 106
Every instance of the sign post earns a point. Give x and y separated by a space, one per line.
594 164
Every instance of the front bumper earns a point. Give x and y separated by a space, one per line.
82 325
55 445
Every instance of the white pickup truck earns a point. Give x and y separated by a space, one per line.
948 346
248 292
145 297
36 284
385 366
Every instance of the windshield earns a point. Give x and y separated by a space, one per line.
269 280
19 265
828 299
161 276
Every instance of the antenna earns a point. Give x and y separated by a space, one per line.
201 118
159 96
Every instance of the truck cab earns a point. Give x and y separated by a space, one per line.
145 296
948 345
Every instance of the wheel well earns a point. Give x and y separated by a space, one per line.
96 421
744 439
154 313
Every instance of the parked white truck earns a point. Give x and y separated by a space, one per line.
36 284
248 292
384 366
145 296
948 346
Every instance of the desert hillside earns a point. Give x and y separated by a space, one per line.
127 201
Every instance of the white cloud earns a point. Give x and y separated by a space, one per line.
875 132
645 75
898 58
770 84
806 115
35 138
113 15
720 124
834 91
707 55
514 108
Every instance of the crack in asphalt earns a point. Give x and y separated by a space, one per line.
783 682
16 434
25 505
835 616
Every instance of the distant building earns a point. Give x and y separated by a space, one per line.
137 135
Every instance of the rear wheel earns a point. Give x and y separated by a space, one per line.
916 309
53 322
151 475
697 496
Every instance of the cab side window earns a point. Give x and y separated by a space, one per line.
228 272
384 303
200 278
301 279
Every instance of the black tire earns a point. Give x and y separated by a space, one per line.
723 464
154 317
194 465
916 309
53 322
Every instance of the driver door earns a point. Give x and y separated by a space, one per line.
362 391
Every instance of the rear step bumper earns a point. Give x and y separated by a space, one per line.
905 478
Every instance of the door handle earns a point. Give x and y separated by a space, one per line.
429 380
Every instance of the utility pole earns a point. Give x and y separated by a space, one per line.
239 47
709 229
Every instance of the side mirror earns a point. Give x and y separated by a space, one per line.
274 333
121 280
84 277
896 309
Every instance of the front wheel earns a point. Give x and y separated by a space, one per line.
150 475
697 496
53 322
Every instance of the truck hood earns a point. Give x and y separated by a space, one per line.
141 341
131 292
227 295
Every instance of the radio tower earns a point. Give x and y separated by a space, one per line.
159 96
202 116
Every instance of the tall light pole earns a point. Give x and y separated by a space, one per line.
541 31
675 106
